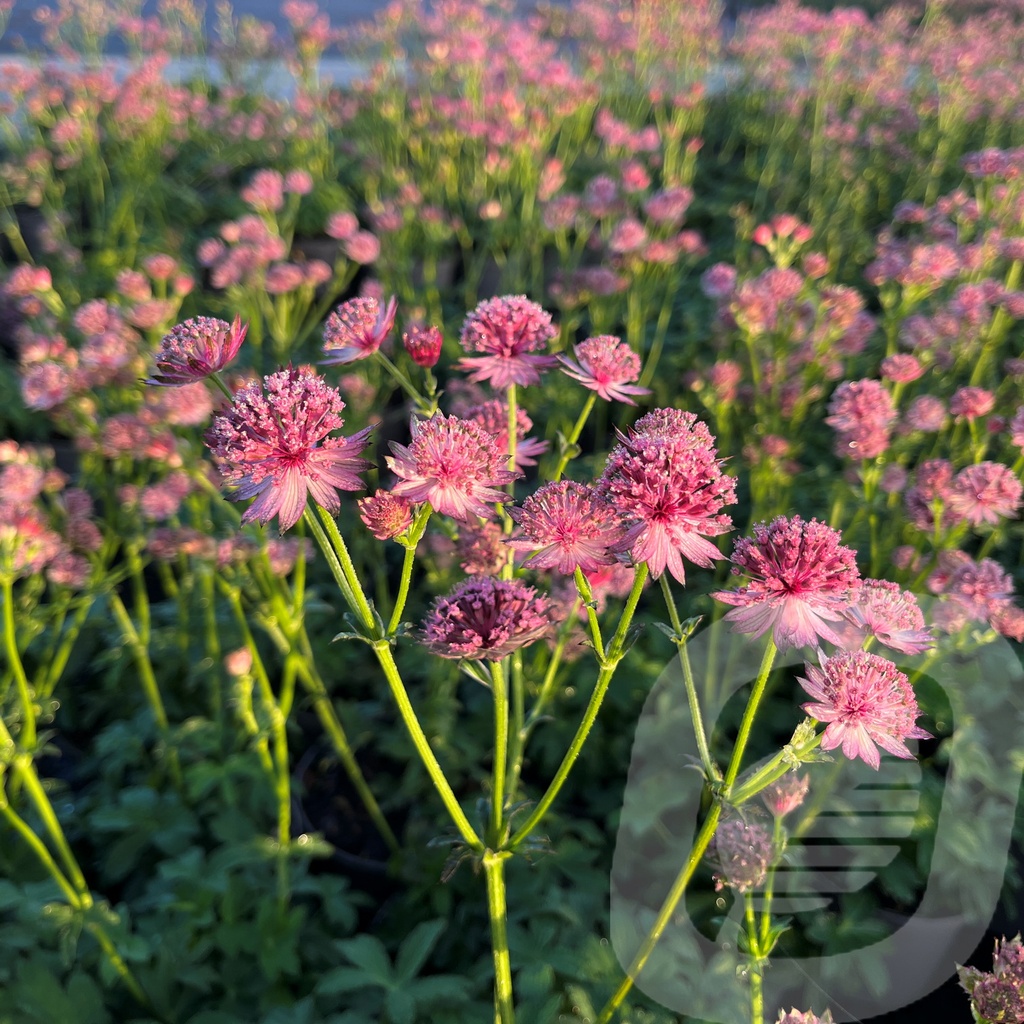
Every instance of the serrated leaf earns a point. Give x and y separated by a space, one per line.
415 949
368 952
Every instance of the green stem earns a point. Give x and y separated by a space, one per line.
772 771
711 772
609 662
28 711
573 437
778 847
419 527
516 730
756 984
499 688
494 870
748 717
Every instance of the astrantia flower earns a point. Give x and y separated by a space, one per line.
197 348
999 995
453 464
866 700
785 795
606 365
984 492
742 852
862 413
356 329
486 618
493 417
272 442
568 524
889 614
506 329
423 345
385 515
797 1017
802 578
666 482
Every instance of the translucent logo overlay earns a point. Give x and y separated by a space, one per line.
889 878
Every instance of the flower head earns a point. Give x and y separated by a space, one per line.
272 442
743 852
606 365
802 578
785 795
385 515
891 615
798 1017
486 618
196 349
423 345
493 417
862 413
666 482
454 464
866 700
984 492
356 329
506 329
568 525
999 995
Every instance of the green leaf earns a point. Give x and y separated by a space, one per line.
343 979
400 1006
368 952
413 952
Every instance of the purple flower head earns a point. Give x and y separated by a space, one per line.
568 525
866 700
454 464
356 329
802 578
983 493
273 444
666 482
196 349
486 618
742 853
506 329
998 996
606 365
862 414
891 615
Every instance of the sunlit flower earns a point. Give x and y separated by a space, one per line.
197 348
888 613
802 579
666 482
866 700
386 515
506 330
862 413
423 345
568 525
785 795
454 464
606 365
983 493
273 444
486 618
356 329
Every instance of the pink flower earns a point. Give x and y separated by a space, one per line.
272 442
356 329
265 192
666 482
984 492
890 615
606 365
481 549
453 464
785 795
862 413
486 618
798 1017
298 182
361 247
802 578
866 700
385 514
506 329
196 349
567 525
971 402
342 225
902 368
423 345
493 417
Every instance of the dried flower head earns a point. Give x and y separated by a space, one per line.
356 329
866 700
486 618
802 578
506 330
454 464
195 349
272 443
606 365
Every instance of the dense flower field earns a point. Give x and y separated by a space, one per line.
581 456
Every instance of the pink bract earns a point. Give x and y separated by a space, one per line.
197 348
273 444
454 464
506 329
802 578
866 700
